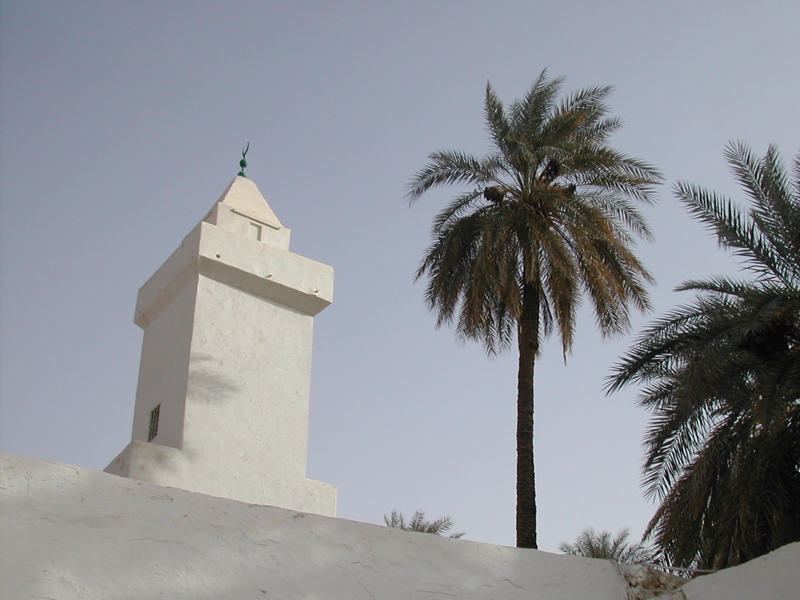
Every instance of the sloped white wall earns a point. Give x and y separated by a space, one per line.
69 533
775 576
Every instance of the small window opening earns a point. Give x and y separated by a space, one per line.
255 229
153 423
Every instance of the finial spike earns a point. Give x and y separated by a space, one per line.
243 162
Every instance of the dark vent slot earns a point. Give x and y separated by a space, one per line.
153 423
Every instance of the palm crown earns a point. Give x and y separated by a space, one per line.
601 544
419 523
548 215
722 376
551 206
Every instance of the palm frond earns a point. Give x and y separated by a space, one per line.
601 544
451 167
420 524
721 376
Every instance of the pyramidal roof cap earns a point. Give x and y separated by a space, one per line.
243 197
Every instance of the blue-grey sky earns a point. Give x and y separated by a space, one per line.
121 123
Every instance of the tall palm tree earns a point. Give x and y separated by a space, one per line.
593 544
722 377
548 216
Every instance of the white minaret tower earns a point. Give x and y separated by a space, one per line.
222 401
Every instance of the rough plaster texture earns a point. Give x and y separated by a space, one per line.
70 533
226 357
775 576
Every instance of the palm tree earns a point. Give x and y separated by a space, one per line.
548 216
418 523
601 545
722 377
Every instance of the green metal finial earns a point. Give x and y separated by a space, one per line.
243 162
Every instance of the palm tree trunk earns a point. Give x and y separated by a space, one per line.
526 483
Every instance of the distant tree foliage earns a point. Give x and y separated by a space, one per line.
418 523
547 218
601 544
721 376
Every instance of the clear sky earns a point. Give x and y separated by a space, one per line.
122 122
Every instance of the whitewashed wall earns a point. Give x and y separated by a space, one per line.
70 533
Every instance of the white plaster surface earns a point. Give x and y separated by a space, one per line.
228 322
70 533
775 576
243 199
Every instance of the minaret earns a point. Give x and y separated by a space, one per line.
222 401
